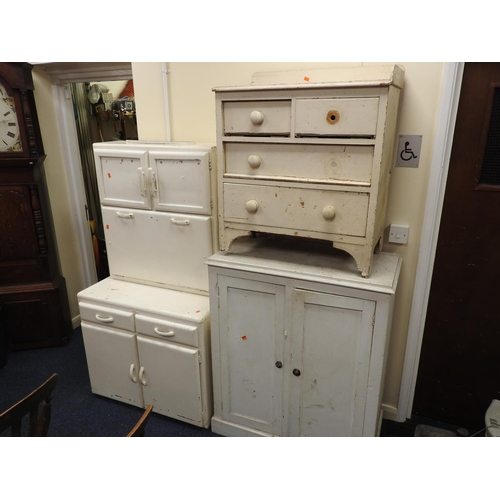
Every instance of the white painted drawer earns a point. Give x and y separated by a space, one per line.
257 117
323 163
107 316
296 208
336 117
168 330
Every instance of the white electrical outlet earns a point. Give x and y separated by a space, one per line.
398 233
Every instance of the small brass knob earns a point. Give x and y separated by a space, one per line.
296 372
278 364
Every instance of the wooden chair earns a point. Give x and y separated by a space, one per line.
140 426
38 420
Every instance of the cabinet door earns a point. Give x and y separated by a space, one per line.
331 343
170 378
158 247
122 177
181 181
251 328
112 363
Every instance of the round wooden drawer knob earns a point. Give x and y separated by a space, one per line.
254 161
328 212
257 117
252 206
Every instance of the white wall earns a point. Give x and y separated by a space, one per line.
192 118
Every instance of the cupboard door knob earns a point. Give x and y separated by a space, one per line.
252 206
142 376
257 117
254 161
296 372
278 364
328 212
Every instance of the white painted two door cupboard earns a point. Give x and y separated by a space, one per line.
149 345
299 342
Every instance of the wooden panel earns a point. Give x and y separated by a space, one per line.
275 117
303 208
323 163
336 117
251 342
18 238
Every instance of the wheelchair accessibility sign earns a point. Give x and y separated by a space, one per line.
409 150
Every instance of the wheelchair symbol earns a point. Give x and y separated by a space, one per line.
407 152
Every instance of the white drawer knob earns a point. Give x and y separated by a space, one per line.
252 206
328 212
257 117
254 161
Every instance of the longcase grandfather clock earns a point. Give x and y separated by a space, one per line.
33 298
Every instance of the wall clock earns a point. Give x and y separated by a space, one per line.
10 139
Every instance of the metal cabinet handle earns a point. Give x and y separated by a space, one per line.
142 376
142 175
171 333
125 215
154 184
257 117
179 222
109 319
296 372
278 364
133 373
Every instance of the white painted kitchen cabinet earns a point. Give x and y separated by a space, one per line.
299 339
148 345
308 154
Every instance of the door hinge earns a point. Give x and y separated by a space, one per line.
199 358
210 164
373 320
211 203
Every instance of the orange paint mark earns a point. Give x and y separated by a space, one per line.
306 78
244 337
107 226
109 175
197 311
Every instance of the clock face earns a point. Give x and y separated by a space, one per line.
10 140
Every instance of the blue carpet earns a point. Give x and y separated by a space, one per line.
76 412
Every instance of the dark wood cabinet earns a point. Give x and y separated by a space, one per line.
33 298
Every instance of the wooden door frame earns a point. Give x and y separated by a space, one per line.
443 141
60 75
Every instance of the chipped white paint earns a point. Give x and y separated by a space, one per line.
299 339
149 345
331 137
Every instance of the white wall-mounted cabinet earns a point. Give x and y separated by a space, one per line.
309 159
149 345
299 339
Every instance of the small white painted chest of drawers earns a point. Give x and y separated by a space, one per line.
308 158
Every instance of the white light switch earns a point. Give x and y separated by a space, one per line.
398 233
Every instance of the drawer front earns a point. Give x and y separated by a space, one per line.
257 117
333 212
162 329
323 163
336 117
107 316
